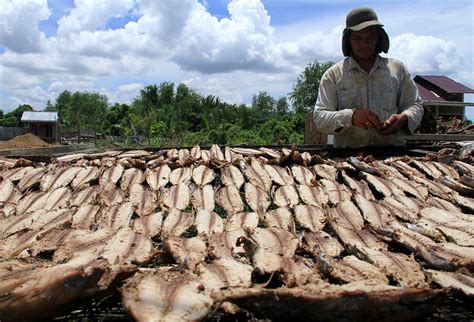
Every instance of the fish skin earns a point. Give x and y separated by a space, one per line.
272 245
176 223
257 198
454 228
351 269
286 196
6 189
335 191
181 175
130 177
111 175
165 294
231 175
310 217
16 174
86 195
226 244
203 175
279 175
325 171
187 252
215 153
60 177
256 174
49 288
111 196
302 175
195 153
360 188
453 280
85 176
30 179
31 202
242 220
446 169
223 273
280 218
59 198
204 198
404 269
321 244
314 196
84 217
149 225
299 271
116 217
228 198
178 196
427 168
208 222
143 199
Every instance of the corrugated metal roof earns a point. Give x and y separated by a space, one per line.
447 84
39 117
428 95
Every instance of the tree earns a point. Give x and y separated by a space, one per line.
282 106
13 118
305 91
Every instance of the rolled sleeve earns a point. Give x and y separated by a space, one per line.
327 118
410 102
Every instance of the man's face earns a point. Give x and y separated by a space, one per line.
363 42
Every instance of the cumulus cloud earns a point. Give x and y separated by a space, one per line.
19 31
90 15
181 41
241 42
426 54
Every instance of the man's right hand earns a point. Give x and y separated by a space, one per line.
365 119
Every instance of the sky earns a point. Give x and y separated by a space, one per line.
230 49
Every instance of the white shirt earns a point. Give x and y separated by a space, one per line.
388 89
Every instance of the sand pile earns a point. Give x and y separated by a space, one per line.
24 141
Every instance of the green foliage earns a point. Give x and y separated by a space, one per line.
166 115
305 91
13 118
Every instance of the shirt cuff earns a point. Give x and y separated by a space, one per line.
411 124
344 121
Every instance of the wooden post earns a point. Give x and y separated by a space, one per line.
311 134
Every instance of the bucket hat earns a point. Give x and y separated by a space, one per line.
358 19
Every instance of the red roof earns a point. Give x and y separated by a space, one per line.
447 84
428 95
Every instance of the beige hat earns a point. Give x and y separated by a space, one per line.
360 18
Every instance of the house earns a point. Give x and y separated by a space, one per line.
443 95
45 125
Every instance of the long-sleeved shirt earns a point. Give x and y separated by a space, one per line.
388 89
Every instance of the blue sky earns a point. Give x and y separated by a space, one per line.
232 49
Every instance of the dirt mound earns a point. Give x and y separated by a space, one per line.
24 141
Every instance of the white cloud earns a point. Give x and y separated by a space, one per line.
241 42
19 29
426 54
130 88
90 15
181 41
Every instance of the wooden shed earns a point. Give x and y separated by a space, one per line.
438 92
45 125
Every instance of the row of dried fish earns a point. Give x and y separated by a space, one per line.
324 234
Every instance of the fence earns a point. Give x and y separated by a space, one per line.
7 133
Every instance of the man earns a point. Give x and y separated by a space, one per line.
365 99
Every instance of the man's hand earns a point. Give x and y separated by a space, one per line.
365 119
393 124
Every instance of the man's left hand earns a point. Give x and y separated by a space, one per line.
393 124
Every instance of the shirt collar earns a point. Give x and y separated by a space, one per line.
379 62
